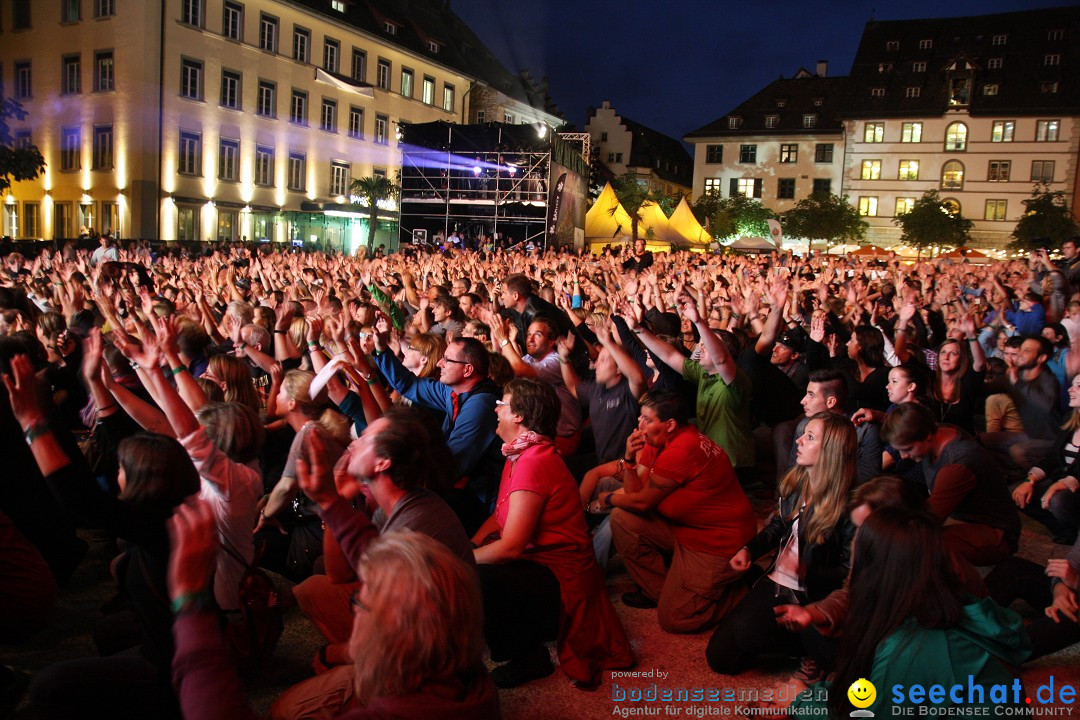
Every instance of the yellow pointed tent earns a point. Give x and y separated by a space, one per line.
606 220
683 222
654 219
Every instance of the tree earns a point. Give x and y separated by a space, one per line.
933 222
16 163
633 195
373 189
732 216
824 216
1046 215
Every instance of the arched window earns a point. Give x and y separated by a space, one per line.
951 205
952 175
956 137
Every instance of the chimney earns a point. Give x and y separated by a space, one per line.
822 68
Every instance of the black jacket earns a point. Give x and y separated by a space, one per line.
822 567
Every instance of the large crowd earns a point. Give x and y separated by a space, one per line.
441 451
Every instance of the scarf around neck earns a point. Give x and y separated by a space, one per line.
523 442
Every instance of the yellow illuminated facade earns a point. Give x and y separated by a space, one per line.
210 120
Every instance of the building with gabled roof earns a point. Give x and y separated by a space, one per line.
623 145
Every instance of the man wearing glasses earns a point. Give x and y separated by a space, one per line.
466 397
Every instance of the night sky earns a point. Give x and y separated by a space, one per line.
680 64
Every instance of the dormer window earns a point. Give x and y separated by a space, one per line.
926 44
337 5
390 28
734 123
999 40
884 67
818 102
892 45
433 47
877 92
771 121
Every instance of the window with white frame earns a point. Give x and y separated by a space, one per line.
23 86
191 12
264 165
356 122
919 66
952 175
734 123
298 107
771 121
995 63
229 160
331 55
1042 171
926 44
1047 130
912 91
406 82
1051 59
999 40
104 8
328 117
359 65
868 206
878 92
448 97
995 210
191 79
102 155
956 137
268 32
427 93
339 178
297 172
998 170
232 21
909 170
104 71
382 74
230 89
1003 131
809 120
266 99
189 159
911 132
301 44
382 127
72 76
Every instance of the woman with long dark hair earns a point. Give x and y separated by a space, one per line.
958 382
910 621
870 374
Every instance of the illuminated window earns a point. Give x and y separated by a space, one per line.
823 153
356 122
871 170
297 171
786 189
748 187
714 154
339 178
909 170
789 152
809 120
448 97
187 223
998 171
874 132
264 165
952 175
956 137
1003 131
904 205
337 5
995 210
189 159
911 132
1047 130
427 91
712 185
748 153
868 206
990 89
229 160
1042 171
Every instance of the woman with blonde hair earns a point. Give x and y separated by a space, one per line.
285 507
813 533
422 353
416 636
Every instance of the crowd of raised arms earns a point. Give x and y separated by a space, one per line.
442 451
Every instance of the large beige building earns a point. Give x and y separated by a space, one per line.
222 119
981 109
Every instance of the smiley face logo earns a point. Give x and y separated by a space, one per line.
862 693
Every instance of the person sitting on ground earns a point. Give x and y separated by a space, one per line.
680 499
967 488
416 637
537 568
813 534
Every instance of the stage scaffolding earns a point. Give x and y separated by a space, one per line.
477 180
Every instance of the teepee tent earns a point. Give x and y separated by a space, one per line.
606 220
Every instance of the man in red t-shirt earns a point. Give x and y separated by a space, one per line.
680 500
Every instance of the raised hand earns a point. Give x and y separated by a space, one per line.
23 391
91 360
314 476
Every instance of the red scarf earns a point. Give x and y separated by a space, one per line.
523 442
